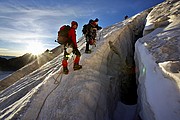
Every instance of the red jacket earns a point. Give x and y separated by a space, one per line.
72 36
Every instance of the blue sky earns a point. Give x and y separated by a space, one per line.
32 25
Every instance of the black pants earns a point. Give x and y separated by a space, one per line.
90 36
87 42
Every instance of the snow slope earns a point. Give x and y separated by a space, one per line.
158 59
5 74
41 60
93 92
90 93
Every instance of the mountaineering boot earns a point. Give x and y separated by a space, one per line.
88 51
65 70
77 67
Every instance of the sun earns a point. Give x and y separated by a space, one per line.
35 48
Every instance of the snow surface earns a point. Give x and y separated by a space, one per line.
4 74
91 93
158 58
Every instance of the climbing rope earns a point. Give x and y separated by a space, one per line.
60 75
46 99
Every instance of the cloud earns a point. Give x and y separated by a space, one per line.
23 24
3 49
14 36
12 52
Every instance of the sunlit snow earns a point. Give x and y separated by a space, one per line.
90 93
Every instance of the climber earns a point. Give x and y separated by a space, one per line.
89 31
71 46
125 17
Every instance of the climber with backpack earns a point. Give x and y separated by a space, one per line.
89 30
67 37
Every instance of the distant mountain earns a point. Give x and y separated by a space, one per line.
7 57
15 63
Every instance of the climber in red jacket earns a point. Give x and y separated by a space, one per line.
71 42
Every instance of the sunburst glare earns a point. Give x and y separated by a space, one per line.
35 48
